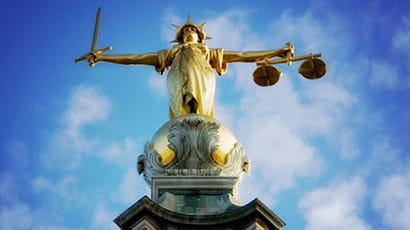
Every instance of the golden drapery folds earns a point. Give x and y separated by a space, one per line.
191 79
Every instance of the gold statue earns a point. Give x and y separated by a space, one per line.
190 64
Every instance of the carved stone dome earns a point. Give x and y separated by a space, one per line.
226 140
193 145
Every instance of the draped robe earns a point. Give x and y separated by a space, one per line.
190 79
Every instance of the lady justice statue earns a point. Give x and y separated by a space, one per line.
192 142
190 64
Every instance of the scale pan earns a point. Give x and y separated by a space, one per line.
266 75
312 68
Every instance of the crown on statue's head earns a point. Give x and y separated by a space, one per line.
199 29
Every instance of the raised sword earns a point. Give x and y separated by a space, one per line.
94 41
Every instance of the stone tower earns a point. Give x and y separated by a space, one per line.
194 165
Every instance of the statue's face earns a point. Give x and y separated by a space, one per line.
190 34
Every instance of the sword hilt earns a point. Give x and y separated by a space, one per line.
100 51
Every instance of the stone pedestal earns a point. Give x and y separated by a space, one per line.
194 165
148 215
196 194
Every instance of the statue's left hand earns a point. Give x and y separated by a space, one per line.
288 51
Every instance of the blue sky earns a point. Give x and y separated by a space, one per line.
325 154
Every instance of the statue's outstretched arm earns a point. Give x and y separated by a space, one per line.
125 59
254 56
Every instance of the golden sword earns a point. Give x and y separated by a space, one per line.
93 49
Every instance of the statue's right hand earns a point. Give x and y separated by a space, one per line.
92 58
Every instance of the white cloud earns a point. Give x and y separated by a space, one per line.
64 191
86 106
169 17
121 152
278 157
323 105
65 153
131 188
393 201
337 206
71 146
21 216
310 34
384 157
158 85
68 145
252 187
16 217
228 29
8 188
102 219
401 39
17 152
383 150
275 123
225 114
383 75
348 144
329 93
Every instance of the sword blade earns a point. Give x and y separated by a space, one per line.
96 28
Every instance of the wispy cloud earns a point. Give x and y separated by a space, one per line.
87 105
310 34
158 84
120 152
20 212
393 202
383 75
401 38
348 144
280 156
18 154
8 188
131 187
228 31
102 219
68 145
169 17
64 191
339 204
16 214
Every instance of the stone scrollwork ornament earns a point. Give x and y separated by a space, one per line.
194 141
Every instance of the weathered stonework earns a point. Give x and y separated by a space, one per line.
147 215
193 140
196 195
194 165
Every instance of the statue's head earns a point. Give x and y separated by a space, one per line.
190 32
